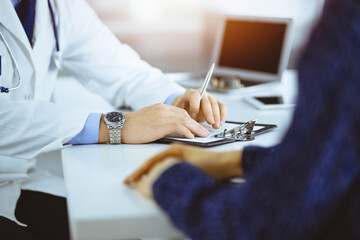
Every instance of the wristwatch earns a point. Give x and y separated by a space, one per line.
114 122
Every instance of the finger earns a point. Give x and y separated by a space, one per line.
206 110
216 111
183 130
197 128
142 170
189 128
181 104
150 163
194 103
177 100
143 186
181 117
223 112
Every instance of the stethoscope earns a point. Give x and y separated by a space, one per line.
56 54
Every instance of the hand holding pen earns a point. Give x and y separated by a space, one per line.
157 121
202 106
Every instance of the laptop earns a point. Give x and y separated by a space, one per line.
255 50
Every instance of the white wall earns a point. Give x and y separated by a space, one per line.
178 35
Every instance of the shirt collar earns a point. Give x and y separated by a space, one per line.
15 3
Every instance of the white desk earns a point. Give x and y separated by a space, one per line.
102 207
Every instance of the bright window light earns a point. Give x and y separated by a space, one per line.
146 10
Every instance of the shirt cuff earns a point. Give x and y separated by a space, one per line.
170 99
90 132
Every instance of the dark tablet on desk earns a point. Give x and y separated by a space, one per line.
270 100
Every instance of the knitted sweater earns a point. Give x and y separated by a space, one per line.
308 186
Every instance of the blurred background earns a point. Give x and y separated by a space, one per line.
178 35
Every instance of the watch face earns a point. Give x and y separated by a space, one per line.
114 117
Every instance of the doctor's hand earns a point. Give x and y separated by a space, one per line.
155 122
208 109
221 165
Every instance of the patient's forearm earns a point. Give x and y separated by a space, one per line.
224 165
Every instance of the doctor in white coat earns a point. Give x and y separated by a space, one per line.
31 124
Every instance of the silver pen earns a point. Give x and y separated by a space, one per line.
207 81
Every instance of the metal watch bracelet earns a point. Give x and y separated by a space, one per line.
115 135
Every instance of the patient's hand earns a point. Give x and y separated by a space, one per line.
217 164
145 184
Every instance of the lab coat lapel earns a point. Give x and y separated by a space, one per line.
44 41
10 20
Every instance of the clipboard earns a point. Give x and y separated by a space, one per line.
211 141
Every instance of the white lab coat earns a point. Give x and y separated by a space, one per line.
30 123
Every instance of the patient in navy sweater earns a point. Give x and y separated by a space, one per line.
308 186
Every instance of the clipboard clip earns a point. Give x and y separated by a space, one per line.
242 133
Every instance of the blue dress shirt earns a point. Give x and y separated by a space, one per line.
15 3
170 99
90 132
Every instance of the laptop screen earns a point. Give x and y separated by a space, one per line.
252 45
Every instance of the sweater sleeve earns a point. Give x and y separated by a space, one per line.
253 156
204 208
299 199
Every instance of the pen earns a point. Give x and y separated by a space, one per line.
207 80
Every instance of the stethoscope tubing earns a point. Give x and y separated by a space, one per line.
16 71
